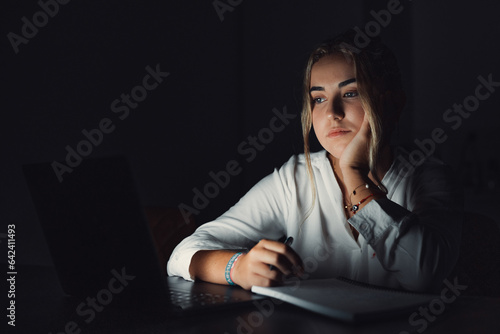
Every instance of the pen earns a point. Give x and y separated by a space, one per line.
288 241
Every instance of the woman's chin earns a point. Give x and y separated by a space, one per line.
335 152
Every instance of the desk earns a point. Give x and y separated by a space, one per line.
42 308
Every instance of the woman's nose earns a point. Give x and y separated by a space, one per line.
335 110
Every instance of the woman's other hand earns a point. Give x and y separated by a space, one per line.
355 154
253 268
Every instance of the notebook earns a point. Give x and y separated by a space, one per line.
346 300
99 240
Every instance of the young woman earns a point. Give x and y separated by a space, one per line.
358 209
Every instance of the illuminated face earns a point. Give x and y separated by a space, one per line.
337 114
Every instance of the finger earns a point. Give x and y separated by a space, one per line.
259 280
280 248
273 259
366 123
262 270
275 262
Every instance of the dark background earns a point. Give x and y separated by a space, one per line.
226 76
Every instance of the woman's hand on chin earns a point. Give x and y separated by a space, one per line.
355 154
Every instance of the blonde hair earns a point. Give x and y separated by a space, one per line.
376 72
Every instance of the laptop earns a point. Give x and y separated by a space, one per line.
100 242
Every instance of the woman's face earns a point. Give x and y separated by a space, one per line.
337 114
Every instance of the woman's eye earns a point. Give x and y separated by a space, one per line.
351 94
318 100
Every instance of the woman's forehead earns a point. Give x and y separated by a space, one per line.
332 68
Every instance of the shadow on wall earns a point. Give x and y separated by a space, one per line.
479 173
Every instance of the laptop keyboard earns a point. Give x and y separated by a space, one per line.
189 300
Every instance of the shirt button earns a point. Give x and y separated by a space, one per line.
363 226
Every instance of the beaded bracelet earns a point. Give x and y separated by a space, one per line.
229 268
355 207
365 185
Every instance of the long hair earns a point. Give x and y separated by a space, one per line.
376 72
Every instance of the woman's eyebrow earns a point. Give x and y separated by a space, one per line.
315 88
346 82
341 84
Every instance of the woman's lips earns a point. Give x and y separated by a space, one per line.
337 133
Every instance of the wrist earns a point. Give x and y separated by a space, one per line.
362 195
353 177
351 169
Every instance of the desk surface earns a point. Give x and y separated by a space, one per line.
41 308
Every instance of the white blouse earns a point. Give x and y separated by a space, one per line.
409 240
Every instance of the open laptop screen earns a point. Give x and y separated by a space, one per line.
95 228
